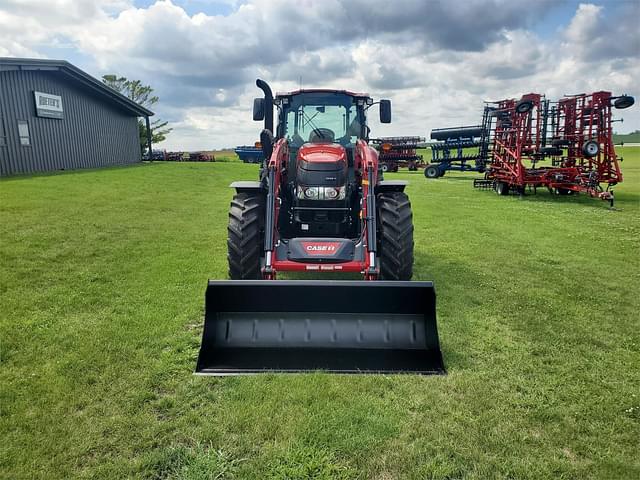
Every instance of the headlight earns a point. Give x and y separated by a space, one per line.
312 193
337 193
309 193
331 193
321 193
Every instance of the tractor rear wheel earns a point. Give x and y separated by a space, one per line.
245 236
395 236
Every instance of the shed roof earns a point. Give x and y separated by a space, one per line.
77 75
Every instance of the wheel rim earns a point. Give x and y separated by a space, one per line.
591 149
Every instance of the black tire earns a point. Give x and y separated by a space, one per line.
385 167
395 236
523 106
432 171
563 191
245 236
502 188
590 148
624 101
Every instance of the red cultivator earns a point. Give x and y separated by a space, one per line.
581 149
395 152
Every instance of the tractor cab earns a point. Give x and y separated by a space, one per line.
322 116
323 185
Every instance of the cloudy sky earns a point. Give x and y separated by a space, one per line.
437 60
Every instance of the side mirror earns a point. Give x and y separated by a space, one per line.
266 141
385 111
258 109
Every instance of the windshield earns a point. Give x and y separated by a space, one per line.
321 117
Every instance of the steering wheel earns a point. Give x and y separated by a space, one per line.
321 135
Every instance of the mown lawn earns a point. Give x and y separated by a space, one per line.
102 279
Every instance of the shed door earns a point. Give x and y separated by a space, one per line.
4 147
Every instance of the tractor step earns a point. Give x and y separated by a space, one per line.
256 326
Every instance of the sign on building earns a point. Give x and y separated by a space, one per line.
48 105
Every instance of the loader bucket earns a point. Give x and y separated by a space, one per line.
336 326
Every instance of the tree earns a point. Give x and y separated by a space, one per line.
142 95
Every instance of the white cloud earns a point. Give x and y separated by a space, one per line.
437 62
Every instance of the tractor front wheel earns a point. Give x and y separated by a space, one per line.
245 236
395 236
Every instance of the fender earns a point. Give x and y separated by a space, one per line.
248 187
391 186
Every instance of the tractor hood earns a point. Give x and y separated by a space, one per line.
322 156
321 164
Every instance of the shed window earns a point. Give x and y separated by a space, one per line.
23 132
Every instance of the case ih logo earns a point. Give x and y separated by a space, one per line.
320 249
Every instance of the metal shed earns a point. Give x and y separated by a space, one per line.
54 116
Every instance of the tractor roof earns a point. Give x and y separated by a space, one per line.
321 90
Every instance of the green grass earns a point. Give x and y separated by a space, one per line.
102 279
633 137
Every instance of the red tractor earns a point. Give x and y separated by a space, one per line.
320 206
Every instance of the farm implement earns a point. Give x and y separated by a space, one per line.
575 134
189 157
396 152
320 207
457 148
249 154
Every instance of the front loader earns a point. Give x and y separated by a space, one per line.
319 206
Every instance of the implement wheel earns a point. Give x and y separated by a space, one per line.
245 236
431 171
395 236
625 101
523 106
502 188
590 148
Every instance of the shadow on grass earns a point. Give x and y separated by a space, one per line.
544 196
79 171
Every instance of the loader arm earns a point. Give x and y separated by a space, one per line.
274 179
368 164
